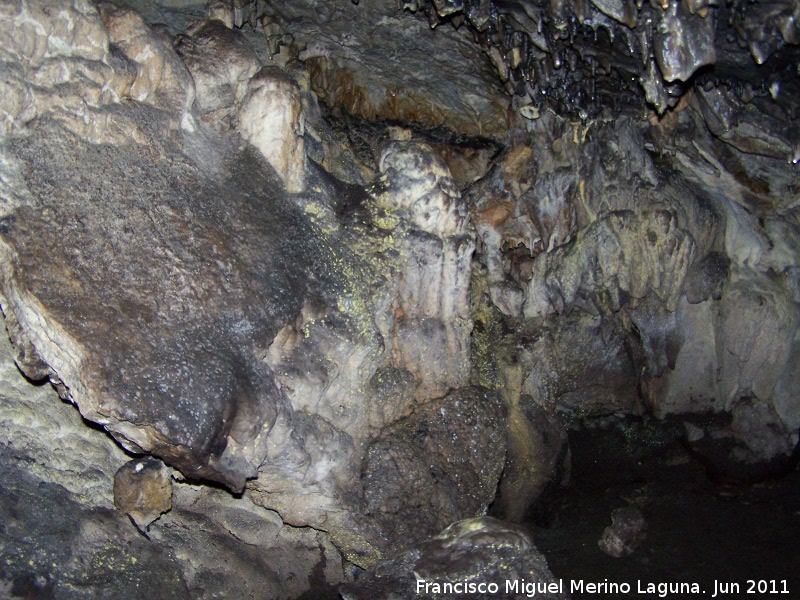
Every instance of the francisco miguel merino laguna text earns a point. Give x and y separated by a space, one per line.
530 589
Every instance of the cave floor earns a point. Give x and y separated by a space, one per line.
698 531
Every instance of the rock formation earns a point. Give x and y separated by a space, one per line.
359 263
480 555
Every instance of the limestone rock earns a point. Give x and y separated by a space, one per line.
161 77
690 386
475 551
53 543
755 336
732 362
60 63
683 42
143 490
431 324
81 328
608 206
745 445
622 256
439 465
221 63
270 118
154 270
419 182
744 126
505 224
49 437
706 278
627 531
409 76
61 532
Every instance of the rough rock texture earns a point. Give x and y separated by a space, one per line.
470 552
62 538
194 308
439 465
590 58
394 80
221 63
644 280
256 240
432 325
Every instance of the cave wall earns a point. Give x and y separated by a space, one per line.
358 263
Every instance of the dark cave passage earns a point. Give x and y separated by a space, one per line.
698 530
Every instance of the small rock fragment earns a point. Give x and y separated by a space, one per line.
626 532
143 490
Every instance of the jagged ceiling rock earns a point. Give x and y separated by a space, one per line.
683 41
745 127
376 61
584 57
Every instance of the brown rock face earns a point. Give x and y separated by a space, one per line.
347 87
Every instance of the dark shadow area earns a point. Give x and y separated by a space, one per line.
698 531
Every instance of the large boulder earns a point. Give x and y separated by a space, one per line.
439 465
481 557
